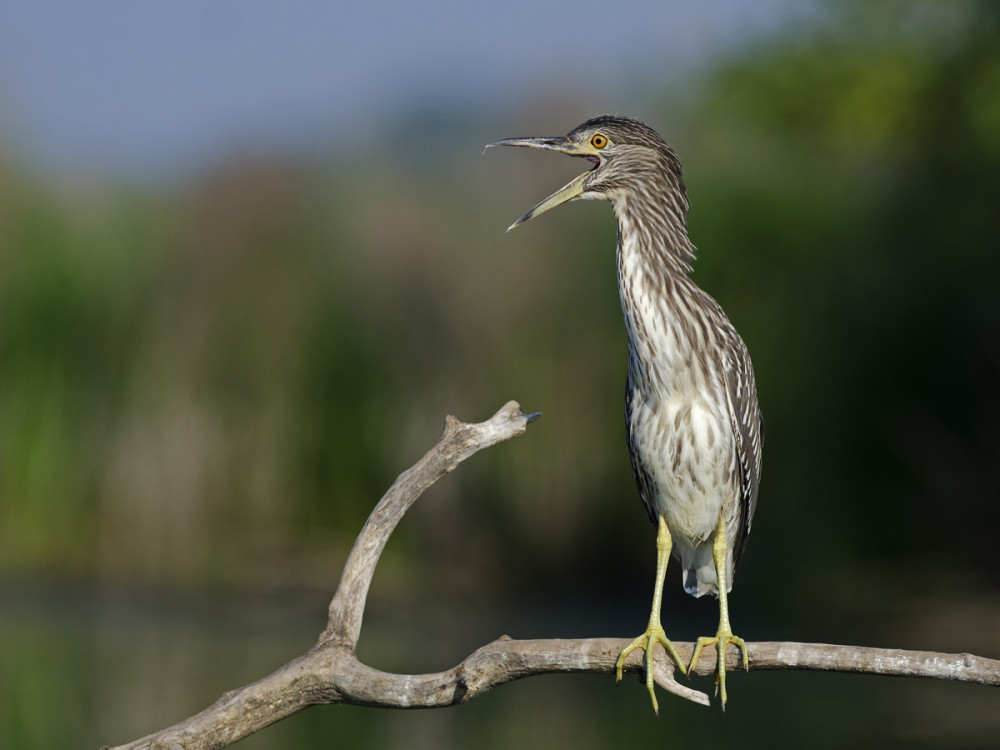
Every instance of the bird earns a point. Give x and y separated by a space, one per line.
694 428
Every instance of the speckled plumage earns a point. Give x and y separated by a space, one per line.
693 425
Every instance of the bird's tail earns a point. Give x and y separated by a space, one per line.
699 572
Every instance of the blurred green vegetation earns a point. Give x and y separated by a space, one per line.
205 389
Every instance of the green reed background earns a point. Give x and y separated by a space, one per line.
204 388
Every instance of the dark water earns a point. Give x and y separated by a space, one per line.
83 666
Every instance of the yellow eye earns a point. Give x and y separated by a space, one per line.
598 141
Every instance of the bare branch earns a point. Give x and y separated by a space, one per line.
825 657
457 443
331 673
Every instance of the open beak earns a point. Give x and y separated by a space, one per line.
564 146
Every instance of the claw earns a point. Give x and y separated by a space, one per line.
724 636
647 642
654 631
722 639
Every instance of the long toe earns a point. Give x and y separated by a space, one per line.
720 640
647 642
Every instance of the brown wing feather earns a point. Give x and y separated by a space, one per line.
748 426
642 479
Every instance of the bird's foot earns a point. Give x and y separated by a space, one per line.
647 642
721 639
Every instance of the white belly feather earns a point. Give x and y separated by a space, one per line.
682 432
688 453
692 451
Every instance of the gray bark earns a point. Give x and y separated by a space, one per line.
331 673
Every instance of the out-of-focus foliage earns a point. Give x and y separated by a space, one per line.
212 386
854 182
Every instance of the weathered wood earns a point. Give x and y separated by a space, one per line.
331 673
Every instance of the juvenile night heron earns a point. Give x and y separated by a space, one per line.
694 428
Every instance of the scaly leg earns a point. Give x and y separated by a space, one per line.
725 635
654 633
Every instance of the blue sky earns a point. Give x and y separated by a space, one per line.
134 87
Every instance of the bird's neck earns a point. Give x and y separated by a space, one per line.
654 260
653 245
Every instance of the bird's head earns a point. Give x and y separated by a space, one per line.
626 155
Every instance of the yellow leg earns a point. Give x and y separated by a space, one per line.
654 632
725 635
